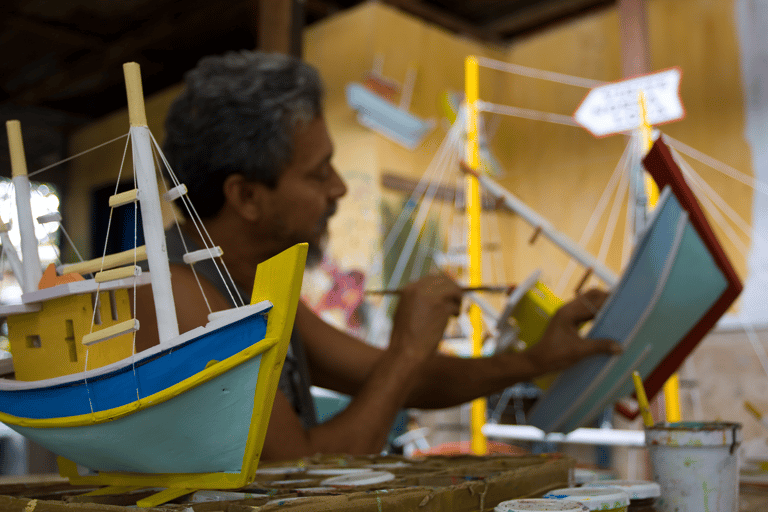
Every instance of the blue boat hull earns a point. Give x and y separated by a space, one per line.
146 377
203 430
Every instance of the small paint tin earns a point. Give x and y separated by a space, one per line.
606 499
643 494
540 505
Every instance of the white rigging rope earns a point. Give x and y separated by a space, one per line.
551 76
717 165
602 204
201 229
75 156
707 189
526 113
613 217
694 180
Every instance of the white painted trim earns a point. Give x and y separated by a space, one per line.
202 254
83 287
593 436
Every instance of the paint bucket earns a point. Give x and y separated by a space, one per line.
696 464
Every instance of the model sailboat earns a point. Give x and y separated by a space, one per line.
189 413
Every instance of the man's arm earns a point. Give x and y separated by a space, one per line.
342 362
379 380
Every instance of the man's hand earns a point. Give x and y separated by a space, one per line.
422 314
561 346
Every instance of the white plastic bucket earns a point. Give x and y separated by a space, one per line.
696 464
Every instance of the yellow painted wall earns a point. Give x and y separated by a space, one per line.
560 171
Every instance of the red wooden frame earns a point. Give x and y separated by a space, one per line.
662 167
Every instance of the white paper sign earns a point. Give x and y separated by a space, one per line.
615 107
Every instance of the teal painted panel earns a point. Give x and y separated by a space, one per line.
692 288
672 263
201 431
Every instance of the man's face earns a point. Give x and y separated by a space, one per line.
306 193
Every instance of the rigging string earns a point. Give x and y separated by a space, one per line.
597 214
629 219
421 254
430 184
75 156
416 227
713 211
715 197
104 254
199 225
418 191
135 284
613 217
717 165
526 113
183 239
551 76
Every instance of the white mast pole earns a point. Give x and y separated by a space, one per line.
13 257
152 219
30 258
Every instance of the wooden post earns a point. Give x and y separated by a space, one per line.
634 38
281 23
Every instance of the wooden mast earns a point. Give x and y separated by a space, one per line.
30 258
151 216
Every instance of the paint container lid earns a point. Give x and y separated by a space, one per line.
540 505
693 434
297 481
337 471
358 479
207 495
389 465
583 476
595 498
281 470
637 489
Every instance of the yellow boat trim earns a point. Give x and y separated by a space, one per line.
154 399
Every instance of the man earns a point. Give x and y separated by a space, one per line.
248 138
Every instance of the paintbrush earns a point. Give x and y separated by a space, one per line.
642 400
486 288
756 413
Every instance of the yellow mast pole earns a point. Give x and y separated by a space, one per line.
474 247
672 386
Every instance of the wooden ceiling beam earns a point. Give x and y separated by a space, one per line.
444 19
105 60
275 21
536 15
47 31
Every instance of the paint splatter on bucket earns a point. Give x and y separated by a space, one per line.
696 464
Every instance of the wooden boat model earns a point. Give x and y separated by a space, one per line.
190 413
